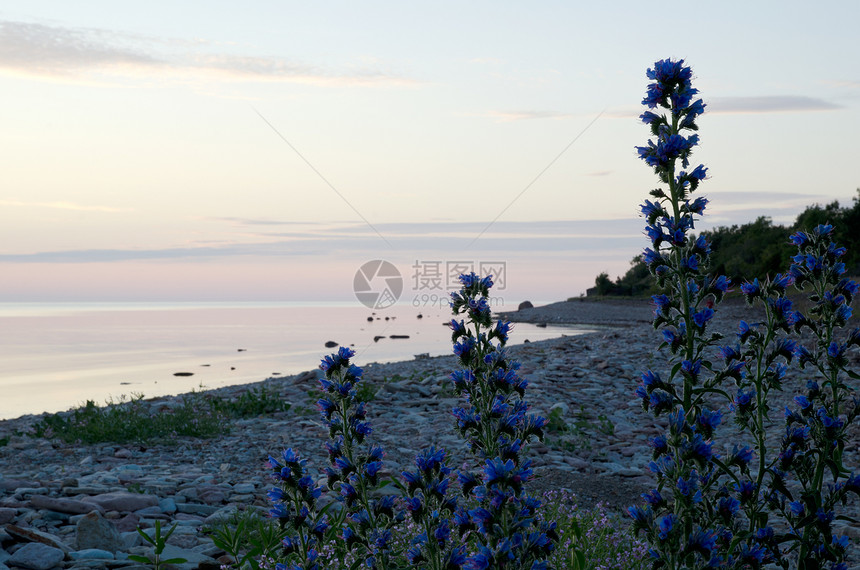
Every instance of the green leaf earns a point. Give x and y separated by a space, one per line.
145 536
137 558
174 561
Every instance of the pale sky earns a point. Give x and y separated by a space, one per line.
265 150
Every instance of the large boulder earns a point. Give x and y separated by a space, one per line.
95 531
525 305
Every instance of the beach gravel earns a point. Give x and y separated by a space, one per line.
598 447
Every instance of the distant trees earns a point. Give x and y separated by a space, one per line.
754 249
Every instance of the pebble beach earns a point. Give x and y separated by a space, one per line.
77 506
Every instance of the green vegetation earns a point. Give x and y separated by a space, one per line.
590 539
255 402
133 420
756 248
577 434
247 537
158 543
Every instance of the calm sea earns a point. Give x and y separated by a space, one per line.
58 355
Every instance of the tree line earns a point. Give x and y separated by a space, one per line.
754 249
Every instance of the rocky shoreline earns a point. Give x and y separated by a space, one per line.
77 506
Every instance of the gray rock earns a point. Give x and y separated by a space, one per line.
167 505
525 305
123 501
243 488
91 554
33 535
7 515
194 559
94 531
37 556
69 506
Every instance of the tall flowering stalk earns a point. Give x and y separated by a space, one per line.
815 438
355 464
712 510
496 423
678 521
365 522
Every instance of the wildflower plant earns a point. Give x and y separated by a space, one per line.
496 422
364 520
712 510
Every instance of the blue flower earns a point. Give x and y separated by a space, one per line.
823 230
665 526
751 290
430 461
654 499
698 207
797 508
332 363
728 507
702 541
641 517
660 401
799 239
741 456
700 450
702 317
660 445
708 421
464 349
744 401
746 490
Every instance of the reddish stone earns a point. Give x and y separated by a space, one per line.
70 506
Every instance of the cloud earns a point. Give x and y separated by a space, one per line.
357 239
63 206
743 105
58 52
769 104
39 49
526 115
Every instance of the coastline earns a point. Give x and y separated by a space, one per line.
602 456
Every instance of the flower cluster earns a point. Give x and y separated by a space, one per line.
354 464
713 510
364 522
432 505
498 426
294 507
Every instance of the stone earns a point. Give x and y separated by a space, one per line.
525 305
330 344
14 484
196 509
127 523
70 506
243 488
91 554
37 556
7 515
94 531
33 535
167 505
193 559
211 495
122 501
